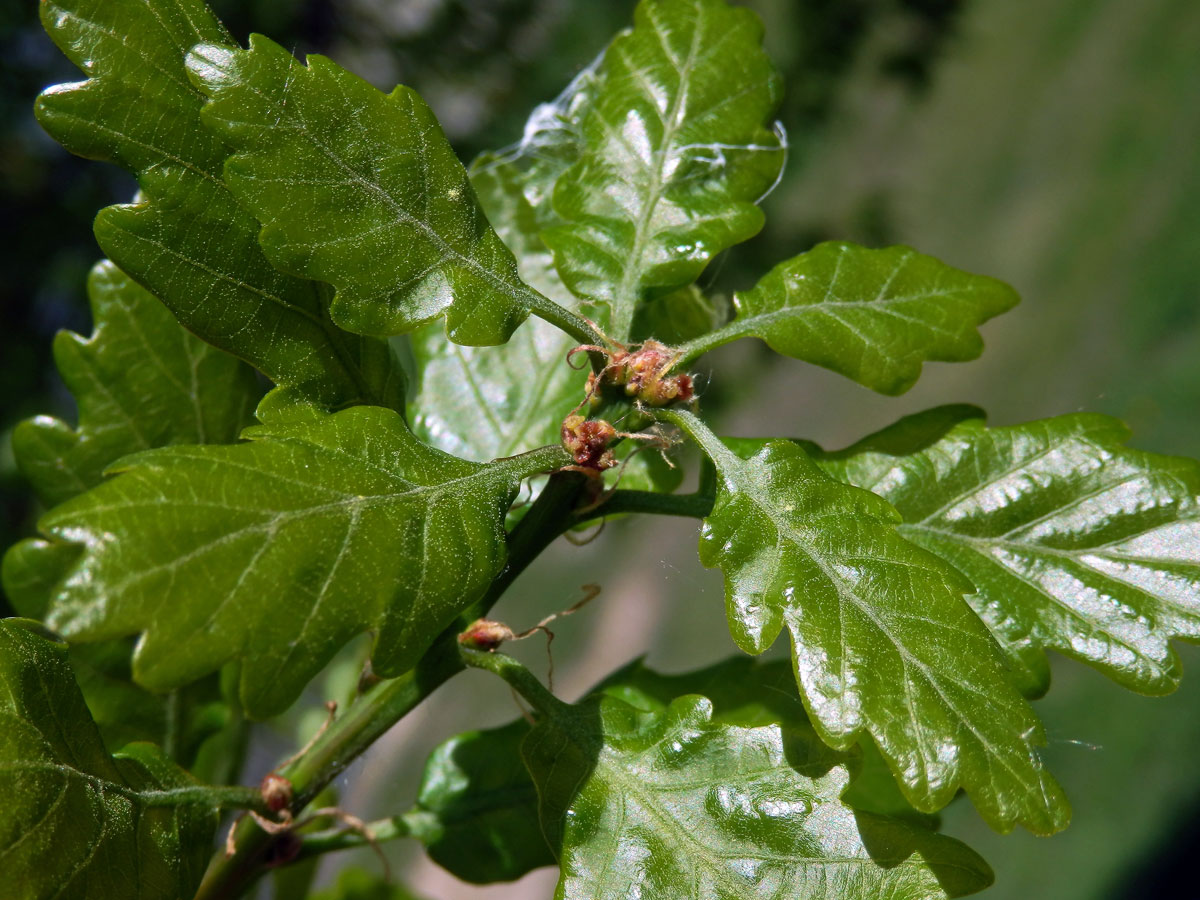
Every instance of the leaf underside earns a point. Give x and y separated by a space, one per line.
79 823
280 550
882 640
185 237
1074 542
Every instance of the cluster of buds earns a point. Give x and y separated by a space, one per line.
588 442
643 373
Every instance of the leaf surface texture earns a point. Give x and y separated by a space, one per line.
882 639
359 189
185 237
677 153
80 824
872 315
1073 541
670 803
278 551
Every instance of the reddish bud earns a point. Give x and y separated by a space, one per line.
484 634
276 792
587 442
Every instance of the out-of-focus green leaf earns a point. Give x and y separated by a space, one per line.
361 190
357 884
1074 542
77 822
480 807
871 315
140 381
672 803
676 155
185 237
883 642
280 550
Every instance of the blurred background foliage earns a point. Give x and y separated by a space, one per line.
1052 143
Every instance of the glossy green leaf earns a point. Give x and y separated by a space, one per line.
671 803
676 155
883 642
140 381
280 550
481 808
483 403
185 237
1074 542
77 822
745 691
871 315
359 189
478 807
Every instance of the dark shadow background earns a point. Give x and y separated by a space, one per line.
1052 143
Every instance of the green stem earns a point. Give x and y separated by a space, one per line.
416 824
566 320
344 740
520 678
222 796
693 426
697 347
695 506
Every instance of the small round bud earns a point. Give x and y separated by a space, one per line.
484 634
276 792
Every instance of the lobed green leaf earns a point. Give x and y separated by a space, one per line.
676 155
280 550
479 803
882 639
872 315
672 803
480 807
185 237
1073 541
360 190
140 381
79 823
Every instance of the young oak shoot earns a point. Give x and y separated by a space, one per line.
292 219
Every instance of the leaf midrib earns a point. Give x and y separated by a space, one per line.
865 608
518 292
